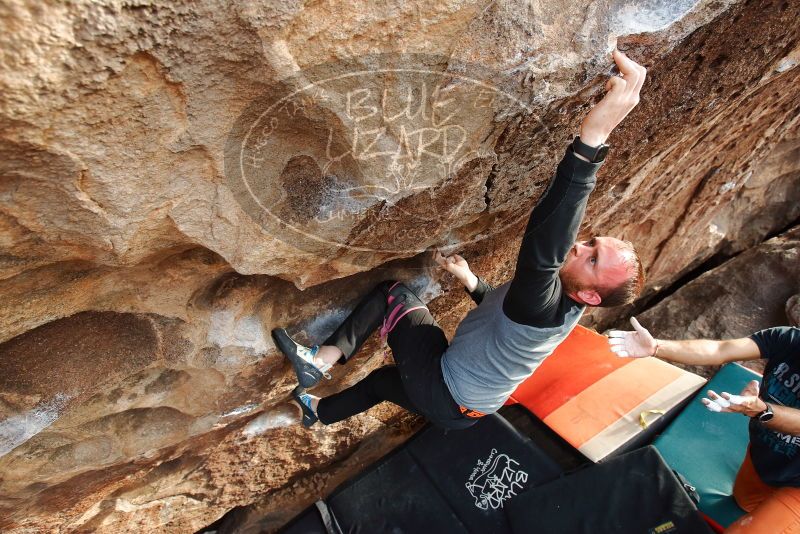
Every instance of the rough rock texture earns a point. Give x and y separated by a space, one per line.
743 295
134 421
793 310
141 271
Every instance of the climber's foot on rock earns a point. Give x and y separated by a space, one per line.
301 357
305 401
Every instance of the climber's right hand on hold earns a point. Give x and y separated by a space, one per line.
454 264
458 267
621 97
637 344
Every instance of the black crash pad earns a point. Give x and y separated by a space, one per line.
395 496
316 519
635 492
443 481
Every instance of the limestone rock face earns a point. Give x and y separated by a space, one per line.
757 284
121 421
741 296
177 178
793 310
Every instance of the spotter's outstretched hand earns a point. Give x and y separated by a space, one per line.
637 344
621 97
746 403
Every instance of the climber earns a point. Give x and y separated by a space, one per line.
768 482
514 327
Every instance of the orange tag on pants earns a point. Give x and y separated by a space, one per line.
470 413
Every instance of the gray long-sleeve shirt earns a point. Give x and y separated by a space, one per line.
501 342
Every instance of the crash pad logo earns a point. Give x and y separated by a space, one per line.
664 528
495 480
386 153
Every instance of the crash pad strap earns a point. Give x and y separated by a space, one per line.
327 519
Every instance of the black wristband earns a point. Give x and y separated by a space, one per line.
766 415
594 154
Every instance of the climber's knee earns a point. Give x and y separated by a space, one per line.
385 286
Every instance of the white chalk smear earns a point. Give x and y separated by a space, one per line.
241 410
226 330
735 399
722 402
643 16
425 287
19 428
278 418
323 324
786 64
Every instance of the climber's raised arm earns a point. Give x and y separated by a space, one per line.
550 234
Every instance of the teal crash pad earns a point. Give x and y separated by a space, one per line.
707 448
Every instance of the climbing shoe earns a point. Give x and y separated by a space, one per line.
302 358
304 400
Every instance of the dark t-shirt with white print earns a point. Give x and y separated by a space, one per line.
775 455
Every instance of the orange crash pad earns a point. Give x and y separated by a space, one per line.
599 402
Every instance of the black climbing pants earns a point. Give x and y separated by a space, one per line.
415 382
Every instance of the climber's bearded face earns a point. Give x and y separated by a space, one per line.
594 267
